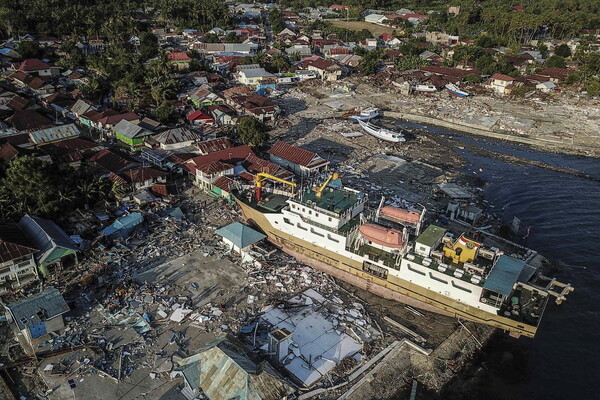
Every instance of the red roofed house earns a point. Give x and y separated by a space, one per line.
327 70
297 159
500 82
213 145
180 59
33 66
17 264
197 117
207 168
222 187
145 177
339 7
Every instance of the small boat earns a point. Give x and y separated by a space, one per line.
365 115
425 88
455 90
382 133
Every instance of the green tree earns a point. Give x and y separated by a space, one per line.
252 132
370 61
28 49
232 37
148 46
165 113
555 62
563 51
411 62
211 38
280 62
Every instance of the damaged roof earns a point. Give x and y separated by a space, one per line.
224 371
14 243
38 308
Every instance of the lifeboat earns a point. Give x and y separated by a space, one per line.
401 215
382 236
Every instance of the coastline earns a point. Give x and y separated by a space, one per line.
478 130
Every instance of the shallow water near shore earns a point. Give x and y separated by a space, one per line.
563 212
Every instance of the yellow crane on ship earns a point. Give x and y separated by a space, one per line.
319 190
263 176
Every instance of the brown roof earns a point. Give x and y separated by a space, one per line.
110 161
14 243
231 155
214 167
28 119
9 152
295 154
239 90
18 103
223 183
76 144
33 64
211 146
144 174
557 73
502 77
260 165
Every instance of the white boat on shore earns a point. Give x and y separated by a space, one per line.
455 90
425 88
382 133
365 115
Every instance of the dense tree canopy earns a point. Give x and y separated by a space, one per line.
36 187
252 132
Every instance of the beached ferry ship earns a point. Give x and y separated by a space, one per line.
388 251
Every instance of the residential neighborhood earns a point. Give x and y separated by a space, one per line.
135 136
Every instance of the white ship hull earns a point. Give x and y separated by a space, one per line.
382 133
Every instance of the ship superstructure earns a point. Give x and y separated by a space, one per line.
385 250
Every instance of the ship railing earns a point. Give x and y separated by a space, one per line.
450 270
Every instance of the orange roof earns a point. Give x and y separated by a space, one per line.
179 56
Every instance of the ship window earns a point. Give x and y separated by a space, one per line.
435 278
316 214
416 270
293 206
375 270
332 239
310 212
329 219
422 248
301 227
316 233
303 209
461 287
287 221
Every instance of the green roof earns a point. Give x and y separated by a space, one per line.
431 236
332 199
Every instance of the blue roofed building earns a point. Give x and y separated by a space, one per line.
53 243
239 237
504 275
123 226
37 318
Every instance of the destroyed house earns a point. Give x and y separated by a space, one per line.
53 243
36 317
297 159
213 145
17 262
223 370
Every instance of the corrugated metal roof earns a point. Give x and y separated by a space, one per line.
295 154
38 307
54 133
45 235
224 371
504 274
176 135
130 130
14 243
214 145
240 235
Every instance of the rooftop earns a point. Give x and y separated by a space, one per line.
432 235
35 309
337 201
